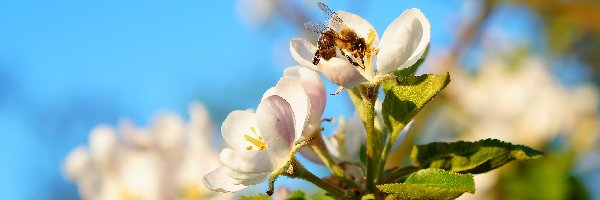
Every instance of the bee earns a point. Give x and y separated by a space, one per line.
346 40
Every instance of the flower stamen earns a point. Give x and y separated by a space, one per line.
257 140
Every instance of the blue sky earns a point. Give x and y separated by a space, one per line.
66 66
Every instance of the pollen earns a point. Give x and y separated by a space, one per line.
369 43
256 140
371 38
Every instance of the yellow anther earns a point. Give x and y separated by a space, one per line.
258 142
371 38
369 43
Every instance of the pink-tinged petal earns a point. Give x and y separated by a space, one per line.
356 136
310 155
247 178
276 123
293 71
340 72
361 26
247 161
303 52
404 41
220 181
290 89
315 89
237 124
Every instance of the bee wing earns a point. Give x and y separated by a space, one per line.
331 17
316 27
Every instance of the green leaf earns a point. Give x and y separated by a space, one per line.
406 71
471 157
363 154
321 195
368 197
432 184
296 195
406 98
256 197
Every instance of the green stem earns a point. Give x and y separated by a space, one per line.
320 149
298 171
369 95
386 153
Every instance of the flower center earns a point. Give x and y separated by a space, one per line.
256 140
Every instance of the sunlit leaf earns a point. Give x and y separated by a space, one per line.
368 197
321 195
256 197
406 98
472 157
432 184
296 195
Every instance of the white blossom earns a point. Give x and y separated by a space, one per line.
403 43
261 143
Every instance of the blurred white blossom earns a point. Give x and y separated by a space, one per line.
255 13
165 161
524 104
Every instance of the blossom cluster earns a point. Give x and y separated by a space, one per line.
173 159
165 161
261 145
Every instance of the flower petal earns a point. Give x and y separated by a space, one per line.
247 178
315 89
168 132
77 162
356 136
276 123
220 181
404 41
247 161
236 125
310 155
340 72
103 144
303 52
361 26
290 89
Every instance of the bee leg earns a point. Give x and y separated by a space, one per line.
352 61
316 58
340 89
362 60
